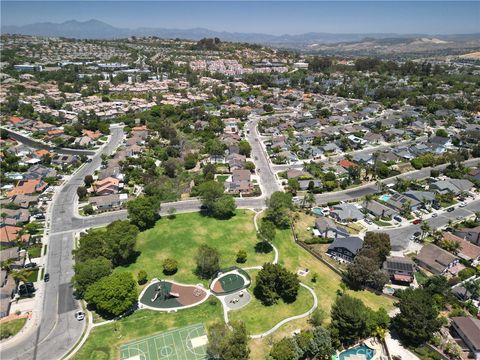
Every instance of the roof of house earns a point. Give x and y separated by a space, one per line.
240 175
8 233
347 211
323 224
351 243
27 187
378 209
420 195
106 199
398 263
467 249
435 257
470 327
346 164
9 253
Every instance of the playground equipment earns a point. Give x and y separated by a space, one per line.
163 294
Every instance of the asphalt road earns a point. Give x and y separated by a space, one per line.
336 158
400 237
372 188
58 330
39 145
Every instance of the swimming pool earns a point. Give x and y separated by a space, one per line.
358 350
385 197
317 211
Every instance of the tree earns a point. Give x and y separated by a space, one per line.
170 266
82 192
441 133
208 260
241 256
425 227
143 211
190 161
321 344
142 277
88 209
224 207
293 185
114 294
244 148
266 231
285 349
89 272
364 271
171 166
418 318
228 343
279 206
210 192
274 282
88 180
349 317
317 318
209 171
121 239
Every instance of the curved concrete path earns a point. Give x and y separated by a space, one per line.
291 318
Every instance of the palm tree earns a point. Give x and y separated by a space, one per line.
425 227
21 275
477 215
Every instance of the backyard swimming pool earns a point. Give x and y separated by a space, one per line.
358 350
385 197
317 211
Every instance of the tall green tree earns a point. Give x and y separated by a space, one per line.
143 211
89 272
114 294
349 317
418 318
208 261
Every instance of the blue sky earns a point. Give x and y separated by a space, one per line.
272 17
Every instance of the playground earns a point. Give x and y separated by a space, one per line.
230 281
187 343
167 295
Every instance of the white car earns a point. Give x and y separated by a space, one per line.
463 204
80 315
434 215
368 221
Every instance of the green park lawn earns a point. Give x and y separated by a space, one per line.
259 318
293 257
179 239
11 327
104 341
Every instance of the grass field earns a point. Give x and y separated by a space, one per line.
180 238
259 318
105 341
177 344
11 327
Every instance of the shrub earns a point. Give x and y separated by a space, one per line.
170 266
241 256
142 277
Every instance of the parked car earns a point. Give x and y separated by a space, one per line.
397 218
80 315
46 277
417 221
368 221
463 204
434 215
450 209
30 265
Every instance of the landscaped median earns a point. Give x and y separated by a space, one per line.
11 327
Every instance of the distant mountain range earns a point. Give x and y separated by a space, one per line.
95 29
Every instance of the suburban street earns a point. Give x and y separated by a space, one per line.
400 237
372 188
56 329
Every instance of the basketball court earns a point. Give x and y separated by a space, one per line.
187 343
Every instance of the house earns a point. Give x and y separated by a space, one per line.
240 182
14 256
467 250
16 215
378 210
424 197
108 202
400 269
438 261
326 227
330 148
9 233
7 290
347 164
25 201
107 186
363 158
295 173
28 187
470 234
304 184
398 201
236 161
346 212
39 172
345 248
468 329
451 186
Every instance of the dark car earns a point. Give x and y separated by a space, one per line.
31 265
450 209
46 277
